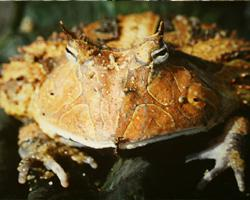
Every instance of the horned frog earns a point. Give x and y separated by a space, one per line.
126 83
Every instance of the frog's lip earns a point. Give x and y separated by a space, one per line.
183 132
54 131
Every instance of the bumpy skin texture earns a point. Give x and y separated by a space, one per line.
125 82
22 77
208 42
117 93
24 73
132 101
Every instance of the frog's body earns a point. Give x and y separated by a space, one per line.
126 91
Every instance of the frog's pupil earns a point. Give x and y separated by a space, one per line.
70 52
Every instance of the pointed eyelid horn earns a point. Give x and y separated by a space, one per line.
158 35
67 31
159 31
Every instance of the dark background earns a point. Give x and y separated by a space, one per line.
154 172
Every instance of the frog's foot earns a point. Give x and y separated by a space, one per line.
228 153
35 146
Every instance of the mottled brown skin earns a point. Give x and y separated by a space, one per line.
25 72
155 107
132 101
88 107
127 83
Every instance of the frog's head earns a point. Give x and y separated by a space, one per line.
82 97
150 47
78 49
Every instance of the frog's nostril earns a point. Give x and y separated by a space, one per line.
20 78
196 99
199 103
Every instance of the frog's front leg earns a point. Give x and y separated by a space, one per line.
227 153
34 145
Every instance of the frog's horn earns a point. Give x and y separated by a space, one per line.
69 33
158 34
76 43
160 29
161 54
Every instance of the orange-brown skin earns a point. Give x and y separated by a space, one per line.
131 29
118 93
25 72
91 112
127 83
165 104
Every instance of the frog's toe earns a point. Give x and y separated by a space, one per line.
39 147
23 168
77 156
48 161
224 161
45 154
52 165
209 175
229 153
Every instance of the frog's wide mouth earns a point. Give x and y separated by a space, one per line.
183 132
79 140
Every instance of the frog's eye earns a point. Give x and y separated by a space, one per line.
71 54
160 55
